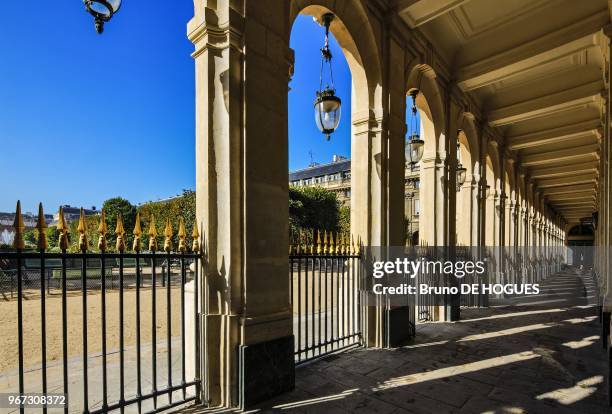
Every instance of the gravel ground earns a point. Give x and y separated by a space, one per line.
32 324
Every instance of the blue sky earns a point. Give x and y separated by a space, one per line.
85 117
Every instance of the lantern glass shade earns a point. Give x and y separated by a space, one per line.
461 171
327 111
414 149
103 8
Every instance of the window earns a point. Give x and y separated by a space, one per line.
417 207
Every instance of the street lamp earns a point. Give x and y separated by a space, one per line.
327 104
102 11
461 170
415 145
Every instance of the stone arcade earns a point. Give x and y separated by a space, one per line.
523 86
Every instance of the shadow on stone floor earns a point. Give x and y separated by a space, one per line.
507 359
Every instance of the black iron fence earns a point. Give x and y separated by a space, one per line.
95 378
325 271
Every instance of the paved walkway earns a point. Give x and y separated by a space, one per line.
543 358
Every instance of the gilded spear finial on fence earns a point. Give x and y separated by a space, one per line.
120 233
195 234
41 226
152 234
325 243
136 245
63 231
353 251
182 235
343 247
332 243
319 243
82 229
338 241
168 236
102 230
311 247
301 242
18 242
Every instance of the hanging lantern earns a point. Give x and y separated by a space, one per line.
415 145
327 104
461 170
102 11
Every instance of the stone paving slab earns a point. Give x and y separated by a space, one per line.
507 359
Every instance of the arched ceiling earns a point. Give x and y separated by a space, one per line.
536 68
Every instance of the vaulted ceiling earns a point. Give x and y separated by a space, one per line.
536 68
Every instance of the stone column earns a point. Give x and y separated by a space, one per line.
510 248
475 208
242 199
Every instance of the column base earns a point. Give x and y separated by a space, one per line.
605 328
267 369
400 329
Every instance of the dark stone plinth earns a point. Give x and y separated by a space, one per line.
401 329
605 328
267 369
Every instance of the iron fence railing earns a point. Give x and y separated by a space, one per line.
87 297
326 289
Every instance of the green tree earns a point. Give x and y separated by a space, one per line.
52 237
31 238
112 208
181 206
313 208
344 222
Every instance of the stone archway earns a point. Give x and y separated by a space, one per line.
433 190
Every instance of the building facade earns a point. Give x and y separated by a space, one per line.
336 177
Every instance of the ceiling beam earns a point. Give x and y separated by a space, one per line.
564 170
563 181
578 195
570 188
563 155
578 96
554 135
510 62
419 12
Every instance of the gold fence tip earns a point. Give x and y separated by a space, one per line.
319 243
41 225
120 232
168 236
152 234
62 228
182 235
137 227
102 230
300 240
82 228
311 247
137 233
102 227
195 234
325 243
18 241
337 250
